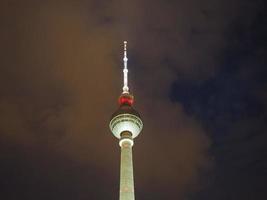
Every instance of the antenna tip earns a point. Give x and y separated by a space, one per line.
125 44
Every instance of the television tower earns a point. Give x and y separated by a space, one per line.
126 124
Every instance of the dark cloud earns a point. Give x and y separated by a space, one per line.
232 107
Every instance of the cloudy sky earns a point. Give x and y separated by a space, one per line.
198 74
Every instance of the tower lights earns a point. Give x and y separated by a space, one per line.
126 124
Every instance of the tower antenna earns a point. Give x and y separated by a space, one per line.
125 89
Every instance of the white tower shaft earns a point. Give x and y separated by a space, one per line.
125 88
126 171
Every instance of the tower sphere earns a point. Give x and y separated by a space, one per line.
125 119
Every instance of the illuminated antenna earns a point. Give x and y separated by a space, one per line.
125 88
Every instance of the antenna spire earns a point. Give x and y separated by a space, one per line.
125 88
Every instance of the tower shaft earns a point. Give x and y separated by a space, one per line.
126 171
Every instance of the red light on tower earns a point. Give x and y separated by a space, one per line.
126 99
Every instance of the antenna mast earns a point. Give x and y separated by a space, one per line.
125 89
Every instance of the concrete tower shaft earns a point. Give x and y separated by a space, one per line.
126 170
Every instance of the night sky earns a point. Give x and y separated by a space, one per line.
198 73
